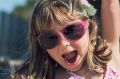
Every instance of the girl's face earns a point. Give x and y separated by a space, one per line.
72 45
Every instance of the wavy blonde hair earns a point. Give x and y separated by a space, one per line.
38 64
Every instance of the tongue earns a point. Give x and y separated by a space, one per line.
70 58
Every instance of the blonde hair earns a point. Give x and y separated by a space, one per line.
58 12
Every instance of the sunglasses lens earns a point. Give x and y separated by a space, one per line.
48 40
74 32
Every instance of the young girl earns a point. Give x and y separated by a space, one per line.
64 43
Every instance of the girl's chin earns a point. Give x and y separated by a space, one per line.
74 69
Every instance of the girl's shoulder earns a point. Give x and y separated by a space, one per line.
111 73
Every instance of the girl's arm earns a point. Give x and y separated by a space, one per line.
110 17
110 20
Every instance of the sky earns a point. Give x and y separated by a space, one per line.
8 5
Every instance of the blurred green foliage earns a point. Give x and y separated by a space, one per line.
24 11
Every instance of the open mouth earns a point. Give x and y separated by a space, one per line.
71 57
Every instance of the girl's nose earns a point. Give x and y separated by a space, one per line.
63 41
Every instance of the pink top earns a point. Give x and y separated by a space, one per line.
110 74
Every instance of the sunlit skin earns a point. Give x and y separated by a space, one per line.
66 46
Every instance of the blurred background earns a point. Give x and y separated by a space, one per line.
14 19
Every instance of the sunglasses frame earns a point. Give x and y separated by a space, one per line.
58 34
